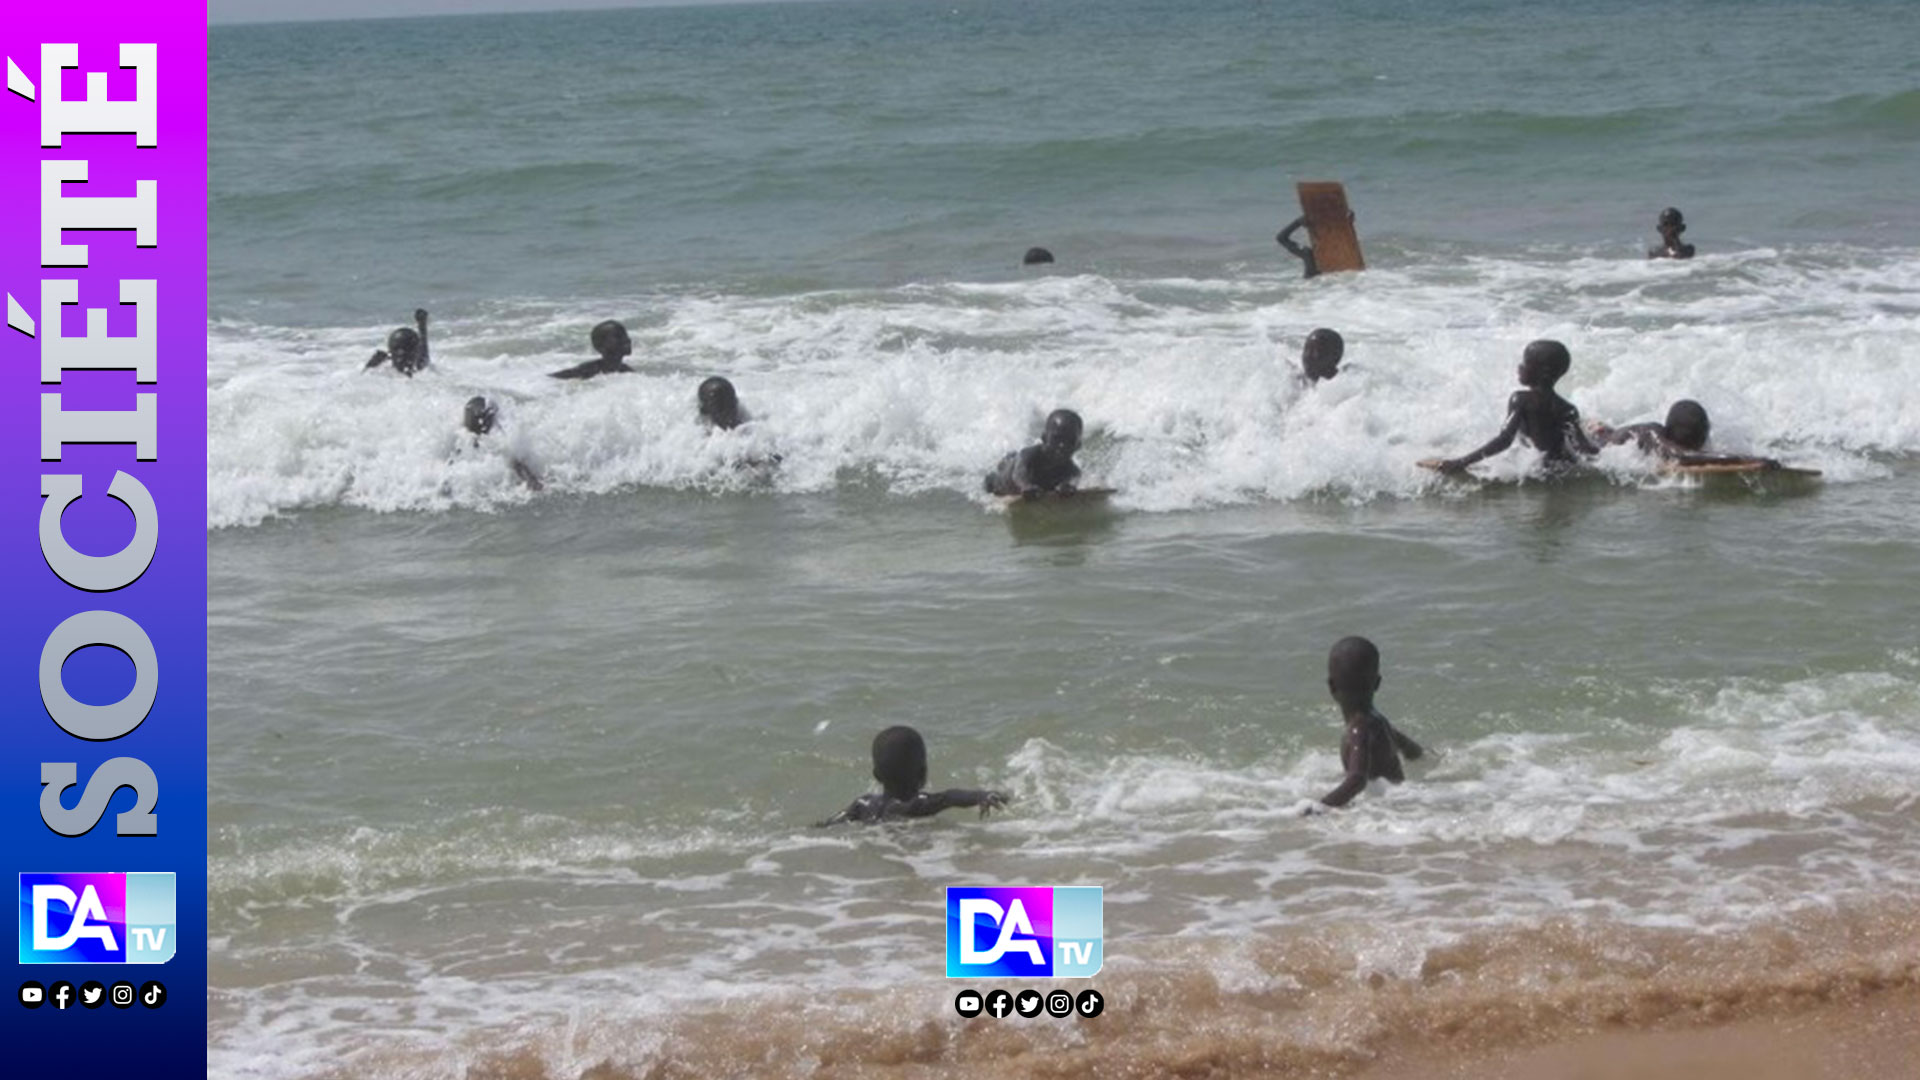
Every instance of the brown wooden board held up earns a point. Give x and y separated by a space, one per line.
1335 247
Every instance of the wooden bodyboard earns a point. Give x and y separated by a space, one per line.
1741 468
1080 496
1330 224
1462 476
1755 469
1578 474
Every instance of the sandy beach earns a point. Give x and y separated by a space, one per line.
1876 1035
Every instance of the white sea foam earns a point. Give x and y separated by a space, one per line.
1772 797
1188 386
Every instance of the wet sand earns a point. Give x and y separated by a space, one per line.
1877 1036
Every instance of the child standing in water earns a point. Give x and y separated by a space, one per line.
1670 226
1548 422
610 340
1372 747
900 764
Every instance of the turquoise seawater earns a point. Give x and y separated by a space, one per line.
508 784
773 149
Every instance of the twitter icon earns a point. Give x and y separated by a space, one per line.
92 994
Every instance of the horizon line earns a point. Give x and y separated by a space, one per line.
620 5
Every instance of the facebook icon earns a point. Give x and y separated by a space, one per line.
1045 932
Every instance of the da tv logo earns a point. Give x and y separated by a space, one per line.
1045 931
96 918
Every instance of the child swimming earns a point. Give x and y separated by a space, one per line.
900 764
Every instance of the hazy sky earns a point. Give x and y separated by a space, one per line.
228 11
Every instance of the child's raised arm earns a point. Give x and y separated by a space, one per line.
420 321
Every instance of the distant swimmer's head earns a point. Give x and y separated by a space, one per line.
403 345
480 415
1671 221
610 340
1036 256
1353 672
1687 424
1062 432
1544 363
900 762
1320 356
719 405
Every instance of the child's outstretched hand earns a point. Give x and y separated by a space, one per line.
994 801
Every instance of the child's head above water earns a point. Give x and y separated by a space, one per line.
610 340
1543 363
1687 424
719 403
1320 356
1062 432
403 345
480 415
900 762
1353 672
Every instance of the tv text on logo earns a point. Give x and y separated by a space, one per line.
1027 931
120 918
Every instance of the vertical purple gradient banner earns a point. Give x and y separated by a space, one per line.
166 601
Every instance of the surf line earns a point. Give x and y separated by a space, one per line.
62 427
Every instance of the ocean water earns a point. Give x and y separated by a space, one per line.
515 784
